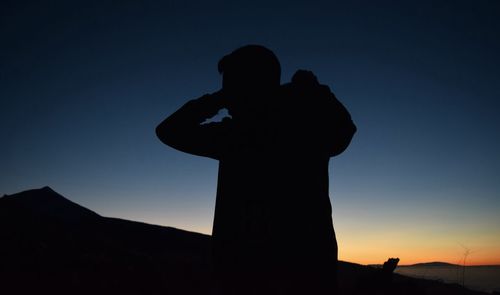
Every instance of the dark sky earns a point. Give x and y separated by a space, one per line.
84 84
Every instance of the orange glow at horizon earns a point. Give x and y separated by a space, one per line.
370 246
411 251
409 257
416 233
418 250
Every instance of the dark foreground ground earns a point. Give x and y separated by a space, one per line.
50 245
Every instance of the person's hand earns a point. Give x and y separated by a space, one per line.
305 78
209 104
221 98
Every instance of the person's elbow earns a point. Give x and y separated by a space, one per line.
164 132
352 130
344 139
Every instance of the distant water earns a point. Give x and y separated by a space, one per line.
480 278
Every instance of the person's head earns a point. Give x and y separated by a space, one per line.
248 73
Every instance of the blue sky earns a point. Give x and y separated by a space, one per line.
83 85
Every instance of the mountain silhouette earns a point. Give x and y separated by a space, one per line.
45 203
433 264
50 245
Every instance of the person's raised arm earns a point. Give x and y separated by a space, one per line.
184 131
327 123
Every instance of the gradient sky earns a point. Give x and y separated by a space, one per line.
83 85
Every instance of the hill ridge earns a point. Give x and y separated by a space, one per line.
46 202
48 249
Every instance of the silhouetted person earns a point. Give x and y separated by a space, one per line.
273 231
